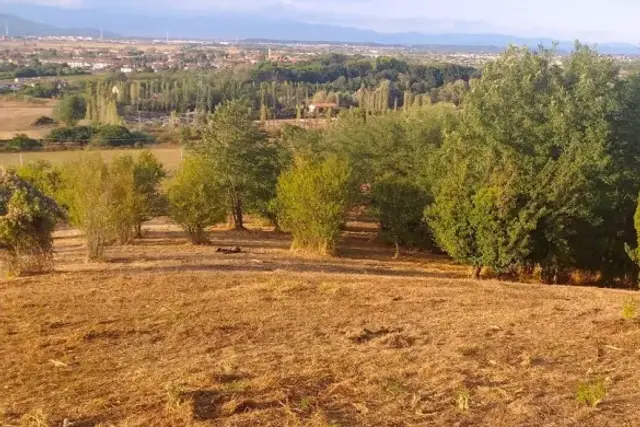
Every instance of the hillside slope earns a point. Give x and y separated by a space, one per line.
168 334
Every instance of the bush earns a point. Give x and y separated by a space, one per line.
195 200
78 134
398 204
133 193
22 142
27 220
44 121
313 199
85 194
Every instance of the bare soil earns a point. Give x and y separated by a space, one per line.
167 334
19 116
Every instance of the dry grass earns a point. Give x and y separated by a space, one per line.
18 117
170 157
167 334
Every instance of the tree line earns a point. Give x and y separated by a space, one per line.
281 90
532 173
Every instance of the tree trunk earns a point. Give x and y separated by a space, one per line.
138 230
475 272
238 218
198 237
397 253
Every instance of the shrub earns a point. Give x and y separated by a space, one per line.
27 220
398 204
78 134
114 136
22 142
85 185
629 310
44 121
195 200
592 392
313 199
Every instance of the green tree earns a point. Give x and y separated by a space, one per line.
313 198
245 162
71 109
196 200
398 204
123 197
27 221
85 189
522 188
148 172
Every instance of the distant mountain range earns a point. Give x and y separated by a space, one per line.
232 26
23 27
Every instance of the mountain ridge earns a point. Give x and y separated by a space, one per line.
232 26
18 26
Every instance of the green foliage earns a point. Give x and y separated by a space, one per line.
245 163
71 109
110 202
43 176
398 204
22 142
123 198
313 198
27 220
85 190
275 90
148 172
99 136
591 392
531 170
78 134
196 200
102 98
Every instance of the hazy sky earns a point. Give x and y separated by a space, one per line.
590 20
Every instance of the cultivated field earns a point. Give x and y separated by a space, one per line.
170 157
168 334
18 116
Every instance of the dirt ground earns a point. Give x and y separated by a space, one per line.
167 334
18 117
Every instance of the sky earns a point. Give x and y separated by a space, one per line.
589 20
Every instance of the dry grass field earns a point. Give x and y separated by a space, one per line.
167 334
18 116
170 157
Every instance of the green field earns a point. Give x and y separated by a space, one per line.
170 157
